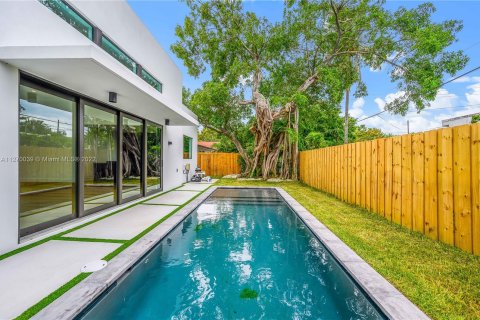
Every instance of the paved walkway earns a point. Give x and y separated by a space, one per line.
31 275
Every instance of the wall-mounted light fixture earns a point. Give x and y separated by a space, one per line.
112 97
167 122
170 143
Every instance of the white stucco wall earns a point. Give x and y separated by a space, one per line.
173 155
34 40
8 152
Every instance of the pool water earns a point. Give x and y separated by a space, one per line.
243 254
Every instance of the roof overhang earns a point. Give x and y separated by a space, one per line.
92 72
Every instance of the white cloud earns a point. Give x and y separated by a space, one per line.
473 96
429 118
466 79
357 108
444 99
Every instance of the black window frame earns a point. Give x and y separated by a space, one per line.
80 101
147 192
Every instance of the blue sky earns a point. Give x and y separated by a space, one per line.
455 99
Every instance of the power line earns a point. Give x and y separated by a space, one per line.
446 82
391 124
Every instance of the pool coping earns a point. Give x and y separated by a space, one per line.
391 301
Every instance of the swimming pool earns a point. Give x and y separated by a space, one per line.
242 254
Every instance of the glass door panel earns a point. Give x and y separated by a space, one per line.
132 135
47 151
154 157
99 157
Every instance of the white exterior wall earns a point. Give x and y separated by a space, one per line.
460 121
8 151
173 155
35 40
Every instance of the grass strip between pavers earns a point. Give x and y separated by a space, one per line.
89 239
55 236
33 310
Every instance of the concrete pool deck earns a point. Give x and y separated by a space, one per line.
31 275
393 303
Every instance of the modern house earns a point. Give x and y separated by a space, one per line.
91 115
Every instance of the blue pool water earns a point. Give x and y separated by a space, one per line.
243 254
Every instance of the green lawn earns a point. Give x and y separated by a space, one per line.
442 280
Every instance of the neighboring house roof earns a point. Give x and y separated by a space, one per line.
208 144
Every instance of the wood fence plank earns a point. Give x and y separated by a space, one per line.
418 188
431 182
388 177
374 178
381 177
368 175
363 174
407 181
353 174
397 180
476 187
461 184
358 173
445 186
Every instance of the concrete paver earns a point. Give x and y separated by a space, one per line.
194 186
125 224
173 197
29 276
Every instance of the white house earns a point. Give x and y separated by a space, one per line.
91 115
458 121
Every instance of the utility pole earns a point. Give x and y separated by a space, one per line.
408 126
345 129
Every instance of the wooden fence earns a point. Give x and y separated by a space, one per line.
427 182
217 164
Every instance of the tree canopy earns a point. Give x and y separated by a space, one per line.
270 75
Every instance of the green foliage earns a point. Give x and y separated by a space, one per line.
208 135
247 293
315 140
476 118
362 133
308 59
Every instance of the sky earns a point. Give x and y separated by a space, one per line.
457 98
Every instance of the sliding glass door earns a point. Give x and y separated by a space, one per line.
46 157
132 157
99 157
77 156
154 157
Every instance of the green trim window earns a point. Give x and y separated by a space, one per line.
64 11
148 78
187 147
113 50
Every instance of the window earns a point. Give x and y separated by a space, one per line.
154 157
187 147
132 150
47 151
151 80
118 54
64 11
100 157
